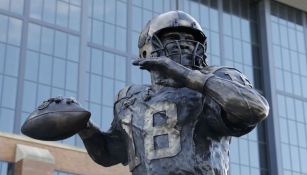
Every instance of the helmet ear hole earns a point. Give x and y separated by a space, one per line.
144 53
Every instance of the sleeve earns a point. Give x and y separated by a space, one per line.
107 148
236 107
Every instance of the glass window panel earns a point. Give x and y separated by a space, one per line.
303 64
36 7
72 76
279 79
62 13
121 39
194 10
290 108
60 44
43 93
108 64
73 48
108 91
300 42
277 56
226 24
245 26
147 15
285 156
147 4
7 121
286 59
96 113
281 105
47 40
9 92
57 92
292 39
109 35
98 5
58 73
121 16
294 62
228 47
288 82
134 44
283 127
284 34
158 6
110 11
295 159
304 86
4 4
234 151
3 27
49 11
275 33
2 57
31 66
234 169
97 33
296 85
301 135
214 22
235 26
204 15
29 96
107 118
14 34
17 6
292 132
34 37
45 69
215 44
303 160
244 158
96 64
136 18
238 51
95 93
247 53
12 60
120 72
299 110
74 18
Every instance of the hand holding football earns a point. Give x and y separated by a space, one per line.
56 119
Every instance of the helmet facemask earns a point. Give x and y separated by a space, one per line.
187 52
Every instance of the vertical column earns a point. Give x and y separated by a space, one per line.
33 161
22 57
271 127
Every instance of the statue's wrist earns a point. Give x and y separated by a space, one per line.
88 131
197 80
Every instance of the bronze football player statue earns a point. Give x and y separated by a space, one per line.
182 123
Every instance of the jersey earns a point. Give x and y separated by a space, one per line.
174 131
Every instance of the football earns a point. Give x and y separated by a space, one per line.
56 119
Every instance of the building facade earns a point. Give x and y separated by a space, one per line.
84 49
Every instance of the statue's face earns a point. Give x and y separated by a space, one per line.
181 47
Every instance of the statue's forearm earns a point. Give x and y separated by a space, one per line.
105 148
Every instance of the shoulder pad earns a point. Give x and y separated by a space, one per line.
129 90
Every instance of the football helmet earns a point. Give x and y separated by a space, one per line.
150 44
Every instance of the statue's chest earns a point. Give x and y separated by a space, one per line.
153 121
165 108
